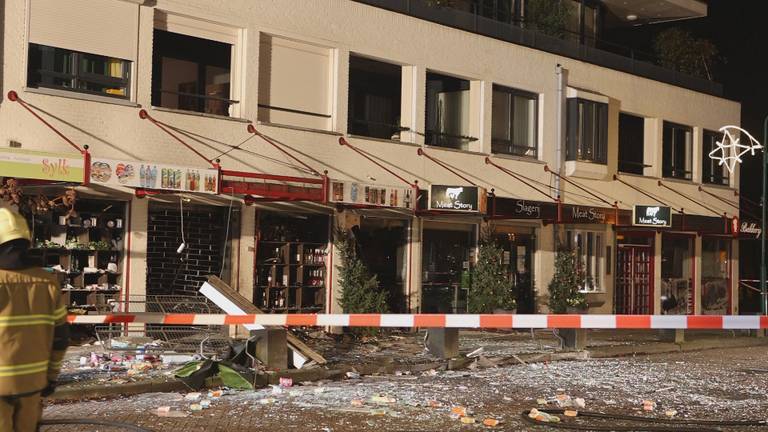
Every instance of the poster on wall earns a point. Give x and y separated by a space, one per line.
373 195
469 199
154 176
28 164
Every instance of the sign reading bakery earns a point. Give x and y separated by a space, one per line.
371 195
37 165
653 216
154 176
468 199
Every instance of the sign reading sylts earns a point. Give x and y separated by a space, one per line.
656 216
457 198
27 164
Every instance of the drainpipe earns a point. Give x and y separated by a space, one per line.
562 77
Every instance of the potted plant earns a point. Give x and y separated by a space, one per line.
565 294
491 289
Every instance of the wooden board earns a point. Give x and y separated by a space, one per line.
249 308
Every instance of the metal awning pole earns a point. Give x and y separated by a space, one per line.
616 177
421 152
345 143
615 204
14 97
252 129
689 198
144 115
517 177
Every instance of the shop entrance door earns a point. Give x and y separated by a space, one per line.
634 279
518 257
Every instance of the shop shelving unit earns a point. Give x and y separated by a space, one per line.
292 277
95 238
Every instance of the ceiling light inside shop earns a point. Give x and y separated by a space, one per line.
631 17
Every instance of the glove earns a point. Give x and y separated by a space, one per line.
49 389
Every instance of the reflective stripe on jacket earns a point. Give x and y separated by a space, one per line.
33 330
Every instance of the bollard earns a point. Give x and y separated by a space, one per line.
443 342
272 347
672 335
573 339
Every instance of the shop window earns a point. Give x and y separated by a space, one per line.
446 258
191 73
291 262
588 247
514 122
374 98
587 125
64 69
715 275
447 112
631 136
676 275
712 172
678 151
294 83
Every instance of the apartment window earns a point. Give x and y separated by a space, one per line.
64 69
678 151
631 137
514 122
374 98
294 83
711 171
191 73
587 125
588 247
447 112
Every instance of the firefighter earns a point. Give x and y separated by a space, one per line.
33 329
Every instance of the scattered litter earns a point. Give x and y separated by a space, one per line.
541 401
543 417
382 400
195 407
431 372
476 353
491 422
215 394
649 405
176 359
468 420
205 403
353 375
166 411
267 401
357 402
670 413
459 411
286 382
570 413
192 396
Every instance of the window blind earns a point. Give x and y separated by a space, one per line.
104 27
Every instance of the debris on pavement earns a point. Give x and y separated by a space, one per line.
543 417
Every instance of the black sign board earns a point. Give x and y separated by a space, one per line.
653 216
468 199
510 208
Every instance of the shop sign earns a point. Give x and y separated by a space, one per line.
655 216
470 199
373 195
28 164
750 229
580 214
148 175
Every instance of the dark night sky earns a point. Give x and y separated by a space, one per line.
739 30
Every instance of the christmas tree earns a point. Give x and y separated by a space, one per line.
360 292
565 285
491 287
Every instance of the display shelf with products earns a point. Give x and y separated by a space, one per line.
291 263
83 249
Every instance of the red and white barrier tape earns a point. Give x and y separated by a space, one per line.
713 322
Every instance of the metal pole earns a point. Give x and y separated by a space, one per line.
763 290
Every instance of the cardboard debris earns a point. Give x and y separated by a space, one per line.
233 303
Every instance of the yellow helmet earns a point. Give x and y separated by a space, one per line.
13 226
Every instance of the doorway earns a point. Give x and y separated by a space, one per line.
518 258
633 294
383 248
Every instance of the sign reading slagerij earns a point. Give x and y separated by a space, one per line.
657 216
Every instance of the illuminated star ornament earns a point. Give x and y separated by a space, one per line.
731 149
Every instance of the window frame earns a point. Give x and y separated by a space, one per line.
435 138
353 120
592 258
534 147
669 170
577 132
625 165
710 167
76 75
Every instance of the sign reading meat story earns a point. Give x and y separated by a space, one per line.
657 216
154 176
373 195
471 199
28 164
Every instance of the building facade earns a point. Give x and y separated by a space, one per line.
236 167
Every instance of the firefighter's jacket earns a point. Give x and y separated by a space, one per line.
34 333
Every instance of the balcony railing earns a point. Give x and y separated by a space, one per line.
595 51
